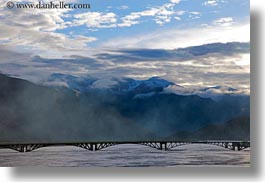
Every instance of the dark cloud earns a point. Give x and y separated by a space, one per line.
223 49
74 60
7 55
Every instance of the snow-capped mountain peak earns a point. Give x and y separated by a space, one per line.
141 86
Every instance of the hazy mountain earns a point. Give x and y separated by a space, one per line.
29 113
166 114
131 110
235 129
80 84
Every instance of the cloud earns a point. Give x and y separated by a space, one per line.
227 21
81 38
181 54
129 20
210 3
174 38
162 14
95 20
35 30
7 55
175 1
123 7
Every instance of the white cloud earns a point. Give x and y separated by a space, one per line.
175 1
129 20
195 13
85 39
227 21
214 3
95 20
123 7
211 3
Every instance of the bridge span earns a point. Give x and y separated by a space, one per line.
160 145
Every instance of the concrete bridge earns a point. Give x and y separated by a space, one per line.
160 145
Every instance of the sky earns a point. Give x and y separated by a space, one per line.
114 39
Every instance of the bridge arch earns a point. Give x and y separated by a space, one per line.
26 148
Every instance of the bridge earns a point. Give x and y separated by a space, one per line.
160 145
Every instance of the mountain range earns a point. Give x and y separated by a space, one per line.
134 87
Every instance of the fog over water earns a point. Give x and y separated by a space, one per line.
127 156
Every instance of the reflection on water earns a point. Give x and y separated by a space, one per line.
127 155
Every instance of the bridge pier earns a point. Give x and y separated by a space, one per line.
236 146
163 146
94 147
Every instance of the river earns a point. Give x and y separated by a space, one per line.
127 156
